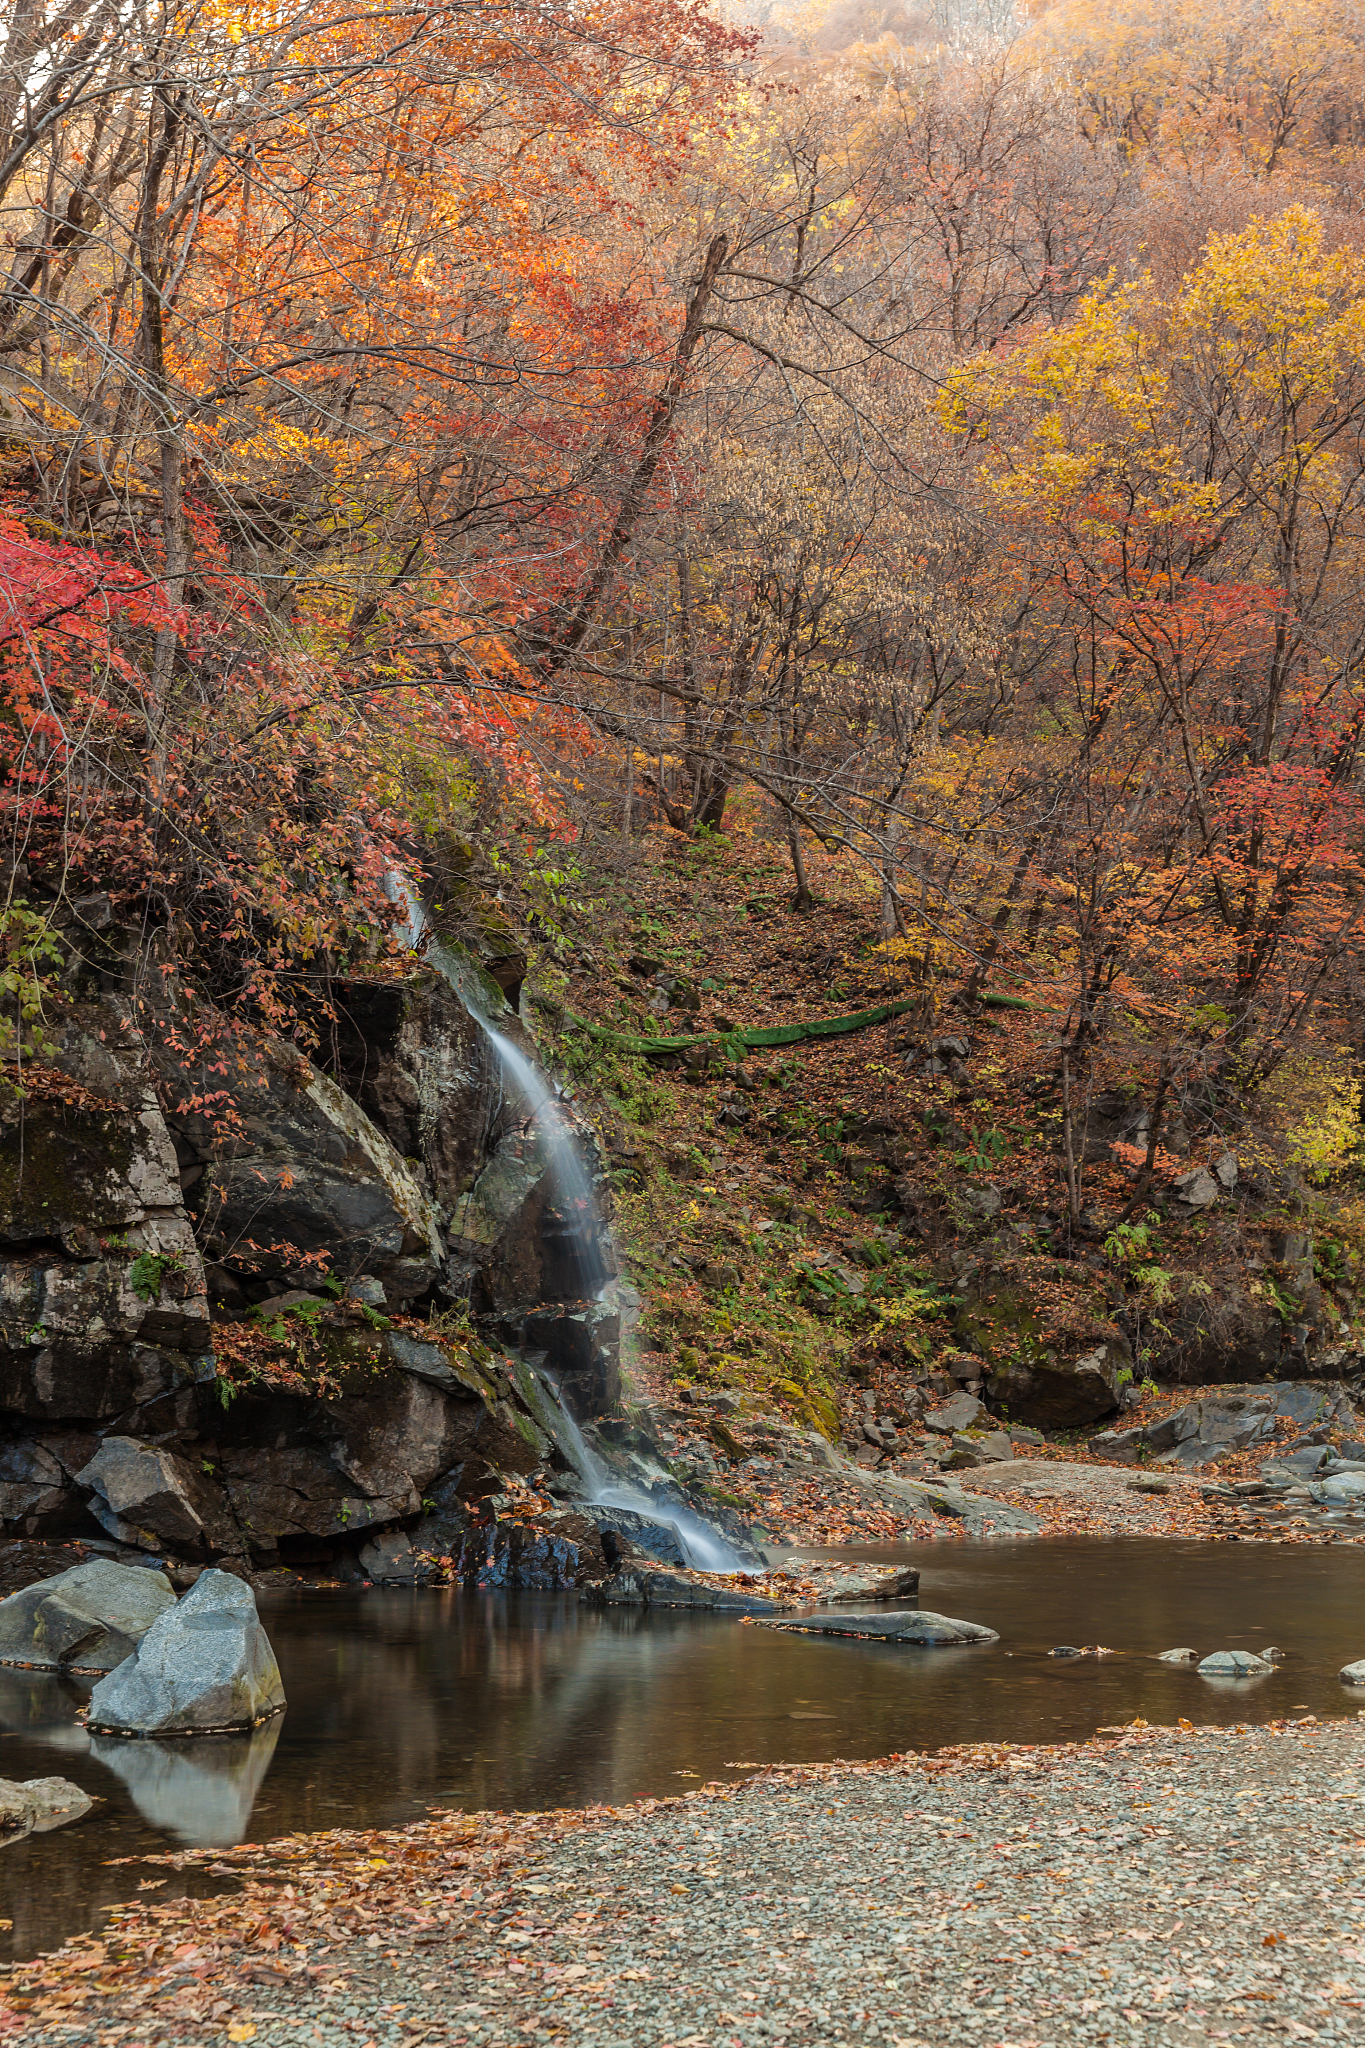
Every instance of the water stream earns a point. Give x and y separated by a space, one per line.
399 1700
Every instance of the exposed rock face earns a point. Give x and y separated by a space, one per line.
1060 1393
102 1293
408 1165
203 1667
88 1619
302 1171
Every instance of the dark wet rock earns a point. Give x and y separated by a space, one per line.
38 1496
205 1666
1064 1650
422 1069
581 1342
147 1496
921 1629
102 1291
89 1618
308 1172
1060 1393
38 1804
652 1539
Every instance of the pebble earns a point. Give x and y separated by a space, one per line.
1172 1887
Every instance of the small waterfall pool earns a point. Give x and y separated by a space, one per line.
403 1700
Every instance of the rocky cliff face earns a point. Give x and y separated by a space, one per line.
160 1183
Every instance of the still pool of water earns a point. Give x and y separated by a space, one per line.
402 1700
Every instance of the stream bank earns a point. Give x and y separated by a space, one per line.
1154 1885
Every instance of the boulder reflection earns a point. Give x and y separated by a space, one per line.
200 1789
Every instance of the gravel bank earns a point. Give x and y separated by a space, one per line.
1168 1886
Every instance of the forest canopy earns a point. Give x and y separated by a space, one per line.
429 435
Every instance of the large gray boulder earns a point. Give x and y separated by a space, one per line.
91 1618
204 1668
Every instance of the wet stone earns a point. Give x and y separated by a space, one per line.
1234 1664
921 1629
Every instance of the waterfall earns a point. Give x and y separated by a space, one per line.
574 1201
704 1547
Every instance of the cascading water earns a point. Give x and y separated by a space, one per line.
575 1205
703 1546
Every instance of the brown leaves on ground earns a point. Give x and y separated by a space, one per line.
192 1964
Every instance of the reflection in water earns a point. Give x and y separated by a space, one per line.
403 1699
200 1789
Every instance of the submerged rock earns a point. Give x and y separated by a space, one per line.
921 1629
204 1667
39 1804
1178 1657
1234 1664
91 1618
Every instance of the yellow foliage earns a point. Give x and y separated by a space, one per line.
1317 1108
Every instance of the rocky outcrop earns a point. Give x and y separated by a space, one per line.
407 1173
287 1168
205 1666
87 1619
1198 1434
103 1304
